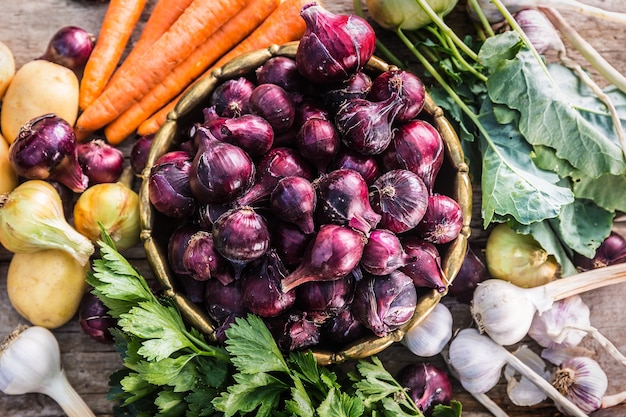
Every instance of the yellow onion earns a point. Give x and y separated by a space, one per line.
518 258
32 219
112 206
406 14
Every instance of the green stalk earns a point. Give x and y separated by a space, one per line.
486 26
462 62
446 29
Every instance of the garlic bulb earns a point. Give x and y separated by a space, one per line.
582 380
30 362
430 336
557 326
32 219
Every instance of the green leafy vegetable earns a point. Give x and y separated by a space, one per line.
171 370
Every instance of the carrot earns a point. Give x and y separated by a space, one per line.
118 25
163 15
199 20
284 25
226 37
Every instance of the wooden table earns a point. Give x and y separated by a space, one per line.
26 27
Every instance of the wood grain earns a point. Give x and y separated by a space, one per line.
26 27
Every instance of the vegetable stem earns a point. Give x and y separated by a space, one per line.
486 26
585 49
588 10
604 342
584 281
66 396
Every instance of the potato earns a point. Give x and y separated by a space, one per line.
38 87
46 287
8 177
7 68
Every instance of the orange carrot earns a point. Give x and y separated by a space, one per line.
163 15
199 20
284 25
226 37
117 26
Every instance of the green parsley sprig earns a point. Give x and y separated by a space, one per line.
171 370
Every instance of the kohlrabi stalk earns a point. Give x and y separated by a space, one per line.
30 362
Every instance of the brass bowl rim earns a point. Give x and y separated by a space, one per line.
168 134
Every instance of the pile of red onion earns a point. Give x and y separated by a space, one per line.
308 194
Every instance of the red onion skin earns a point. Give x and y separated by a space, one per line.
343 328
220 172
250 132
426 270
222 301
289 241
324 299
611 251
366 165
282 71
442 221
318 142
45 149
169 185
384 303
293 330
94 319
418 147
409 88
261 285
294 200
383 253
177 242
70 47
333 47
334 252
427 385
357 86
367 126
343 199
139 153
275 105
206 214
309 109
276 164
401 199
232 97
472 272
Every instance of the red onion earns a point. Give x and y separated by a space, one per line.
343 328
177 243
231 98
276 164
442 221
241 235
45 149
401 198
308 109
261 285
425 270
94 319
409 88
334 253
418 147
71 47
294 200
473 271
220 172
366 165
324 299
383 253
293 330
343 199
224 303
427 385
139 153
282 71
289 241
169 186
366 126
611 251
274 104
333 47
250 132
357 86
318 142
203 261
206 214
384 303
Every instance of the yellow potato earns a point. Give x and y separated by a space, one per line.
38 87
46 287
7 67
8 177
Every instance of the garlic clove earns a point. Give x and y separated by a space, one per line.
557 325
521 390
